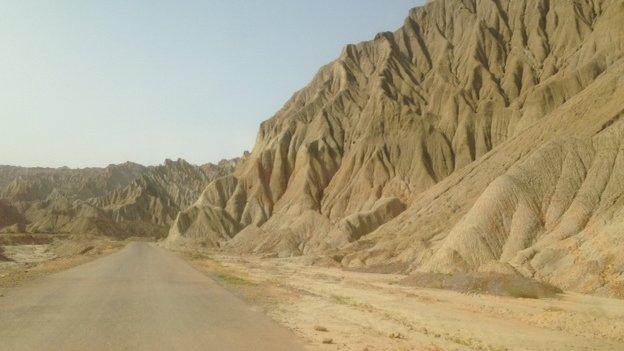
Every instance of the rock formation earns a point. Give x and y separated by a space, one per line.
482 134
119 200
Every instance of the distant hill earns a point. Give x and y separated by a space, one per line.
119 200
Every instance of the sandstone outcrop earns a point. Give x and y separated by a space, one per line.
481 133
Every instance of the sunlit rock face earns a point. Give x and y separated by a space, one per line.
480 135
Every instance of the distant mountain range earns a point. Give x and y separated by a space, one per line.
119 200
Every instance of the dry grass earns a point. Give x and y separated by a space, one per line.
233 279
554 309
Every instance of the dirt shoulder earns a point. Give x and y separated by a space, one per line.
42 257
333 309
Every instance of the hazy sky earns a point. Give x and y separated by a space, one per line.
94 82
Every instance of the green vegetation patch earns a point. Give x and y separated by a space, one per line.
234 280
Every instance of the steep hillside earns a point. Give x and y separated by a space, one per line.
465 140
119 200
545 204
10 216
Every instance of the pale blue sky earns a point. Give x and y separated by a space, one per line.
94 82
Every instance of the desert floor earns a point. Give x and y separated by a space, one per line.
34 256
333 309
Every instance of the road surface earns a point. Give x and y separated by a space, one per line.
140 298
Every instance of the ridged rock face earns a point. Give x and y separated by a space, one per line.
10 216
119 200
392 154
33 184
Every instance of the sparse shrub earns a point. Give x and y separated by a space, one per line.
484 283
232 279
320 328
199 256
396 335
2 256
343 300
87 249
554 309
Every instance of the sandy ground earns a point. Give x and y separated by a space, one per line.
332 309
29 261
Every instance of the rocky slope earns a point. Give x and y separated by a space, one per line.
119 200
3 258
481 135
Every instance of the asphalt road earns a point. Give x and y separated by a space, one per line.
140 298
